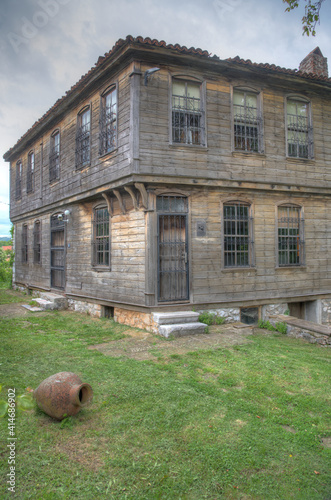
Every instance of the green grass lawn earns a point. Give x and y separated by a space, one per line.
238 423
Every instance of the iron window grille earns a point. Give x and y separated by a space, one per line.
57 254
18 181
247 122
101 238
83 152
290 236
30 173
37 243
299 130
25 244
108 122
187 113
54 157
237 234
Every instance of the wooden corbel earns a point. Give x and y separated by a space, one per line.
109 202
120 200
143 193
129 190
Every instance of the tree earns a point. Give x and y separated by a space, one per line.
311 17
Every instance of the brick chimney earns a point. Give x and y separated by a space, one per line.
315 63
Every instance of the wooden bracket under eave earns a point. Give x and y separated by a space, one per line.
120 200
109 202
142 190
129 190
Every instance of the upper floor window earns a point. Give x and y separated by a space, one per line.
299 130
30 173
54 157
101 237
36 242
247 119
108 122
187 113
18 180
237 234
24 244
290 236
83 147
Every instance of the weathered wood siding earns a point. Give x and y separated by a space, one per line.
72 182
217 161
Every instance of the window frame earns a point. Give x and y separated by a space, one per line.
54 156
83 139
187 79
18 179
104 125
250 234
24 244
300 236
30 173
259 120
37 242
309 132
103 266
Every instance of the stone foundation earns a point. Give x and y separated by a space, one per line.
93 310
230 314
273 309
135 319
326 311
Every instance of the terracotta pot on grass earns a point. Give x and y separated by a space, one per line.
62 395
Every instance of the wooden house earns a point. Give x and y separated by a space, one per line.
169 180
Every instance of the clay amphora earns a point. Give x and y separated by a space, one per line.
62 395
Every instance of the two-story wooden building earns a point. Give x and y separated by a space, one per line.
167 179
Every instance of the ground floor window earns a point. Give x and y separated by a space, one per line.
237 234
101 237
290 236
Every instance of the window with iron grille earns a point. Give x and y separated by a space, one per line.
54 157
237 234
37 242
247 122
108 122
30 173
101 238
299 130
18 180
187 113
24 244
83 147
290 236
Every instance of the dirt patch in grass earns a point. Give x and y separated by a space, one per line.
16 310
146 346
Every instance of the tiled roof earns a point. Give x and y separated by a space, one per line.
278 69
180 49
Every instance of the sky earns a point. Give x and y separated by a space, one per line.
46 45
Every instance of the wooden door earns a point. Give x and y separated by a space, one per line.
57 251
172 257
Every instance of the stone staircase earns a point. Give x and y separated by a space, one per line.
177 324
48 302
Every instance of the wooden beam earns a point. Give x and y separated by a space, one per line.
143 193
108 199
133 196
120 200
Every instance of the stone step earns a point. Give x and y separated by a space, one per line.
59 301
181 329
46 304
174 318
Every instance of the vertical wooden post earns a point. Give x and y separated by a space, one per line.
134 117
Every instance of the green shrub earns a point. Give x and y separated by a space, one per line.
209 318
279 327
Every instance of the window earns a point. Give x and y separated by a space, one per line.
18 180
101 237
83 139
25 244
299 131
54 157
108 122
237 234
36 243
30 173
247 121
290 236
187 114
